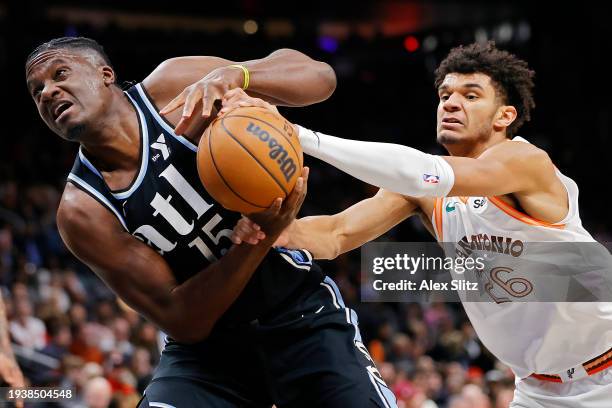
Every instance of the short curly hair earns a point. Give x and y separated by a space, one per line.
511 77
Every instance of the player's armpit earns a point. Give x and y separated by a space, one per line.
326 237
142 278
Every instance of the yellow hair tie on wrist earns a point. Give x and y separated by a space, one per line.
247 76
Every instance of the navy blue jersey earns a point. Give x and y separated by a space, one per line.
167 207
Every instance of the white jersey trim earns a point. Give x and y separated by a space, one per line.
76 179
161 121
144 159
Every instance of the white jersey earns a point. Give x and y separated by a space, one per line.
534 337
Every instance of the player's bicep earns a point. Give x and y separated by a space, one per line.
134 271
173 75
509 167
474 177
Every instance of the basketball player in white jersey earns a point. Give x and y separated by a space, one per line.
493 184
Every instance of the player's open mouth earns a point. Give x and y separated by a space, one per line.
451 123
60 110
451 120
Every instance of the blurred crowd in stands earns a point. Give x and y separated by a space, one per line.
70 331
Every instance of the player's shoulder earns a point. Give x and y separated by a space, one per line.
79 213
520 152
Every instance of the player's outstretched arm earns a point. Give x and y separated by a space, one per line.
141 277
506 168
327 236
190 85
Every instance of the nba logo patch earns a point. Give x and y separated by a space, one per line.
430 178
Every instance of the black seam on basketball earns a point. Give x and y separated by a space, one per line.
269 124
212 157
253 156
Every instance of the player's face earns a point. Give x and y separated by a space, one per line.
467 108
70 91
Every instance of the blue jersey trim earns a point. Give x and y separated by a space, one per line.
161 121
76 179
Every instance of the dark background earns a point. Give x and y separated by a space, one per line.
384 93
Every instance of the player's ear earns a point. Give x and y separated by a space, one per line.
108 74
505 115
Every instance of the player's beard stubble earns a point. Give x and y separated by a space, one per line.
74 133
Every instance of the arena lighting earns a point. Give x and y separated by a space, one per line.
523 31
411 44
328 44
504 32
250 27
480 35
430 43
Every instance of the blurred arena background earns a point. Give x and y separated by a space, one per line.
69 330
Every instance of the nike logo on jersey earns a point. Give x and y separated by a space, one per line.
450 207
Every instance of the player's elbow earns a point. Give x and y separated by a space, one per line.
328 79
319 76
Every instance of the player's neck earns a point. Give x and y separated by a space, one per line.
115 142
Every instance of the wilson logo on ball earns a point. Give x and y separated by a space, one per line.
277 151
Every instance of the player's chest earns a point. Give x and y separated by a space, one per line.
171 211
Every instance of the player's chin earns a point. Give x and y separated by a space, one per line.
446 137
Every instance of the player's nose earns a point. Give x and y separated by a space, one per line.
49 92
452 103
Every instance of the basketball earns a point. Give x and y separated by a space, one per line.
248 158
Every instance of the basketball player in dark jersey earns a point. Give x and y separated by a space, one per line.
248 326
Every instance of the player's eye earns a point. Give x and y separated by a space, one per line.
60 73
36 91
444 97
472 96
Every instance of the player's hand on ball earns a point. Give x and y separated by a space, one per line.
236 98
249 232
281 214
207 90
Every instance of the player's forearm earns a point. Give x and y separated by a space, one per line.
316 234
291 78
201 300
393 167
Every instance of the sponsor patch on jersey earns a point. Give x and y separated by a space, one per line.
430 178
478 204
